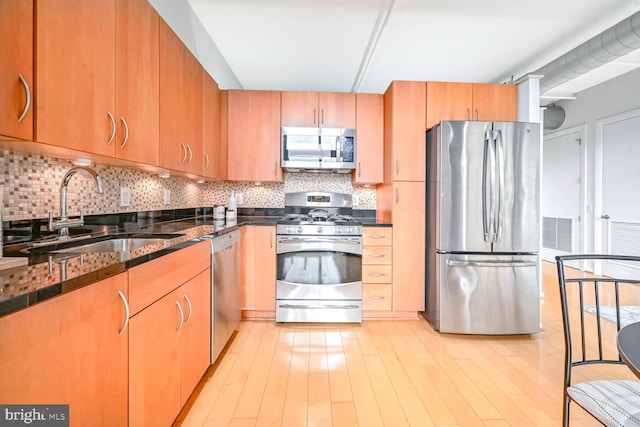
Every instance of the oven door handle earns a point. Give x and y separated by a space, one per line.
319 306
327 285
316 240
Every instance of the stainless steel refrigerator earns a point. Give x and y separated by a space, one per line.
483 227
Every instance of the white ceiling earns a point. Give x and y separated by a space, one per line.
362 45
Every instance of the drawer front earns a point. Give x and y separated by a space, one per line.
152 280
376 273
377 236
376 297
376 255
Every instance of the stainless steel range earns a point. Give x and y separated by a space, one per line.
319 257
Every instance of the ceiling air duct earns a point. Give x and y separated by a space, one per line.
553 117
619 40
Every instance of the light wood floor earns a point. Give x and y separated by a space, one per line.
388 373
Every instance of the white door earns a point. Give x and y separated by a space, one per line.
562 194
618 191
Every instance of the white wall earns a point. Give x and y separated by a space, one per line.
607 99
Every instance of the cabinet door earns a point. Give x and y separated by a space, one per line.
75 74
193 114
154 362
137 81
195 336
337 110
16 45
266 268
300 109
214 155
407 102
448 101
495 102
408 246
173 99
369 139
67 350
254 136
258 268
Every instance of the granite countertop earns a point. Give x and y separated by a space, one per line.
50 275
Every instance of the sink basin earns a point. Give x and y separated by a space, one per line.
115 243
112 245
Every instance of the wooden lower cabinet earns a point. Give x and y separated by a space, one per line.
258 271
169 352
68 351
377 269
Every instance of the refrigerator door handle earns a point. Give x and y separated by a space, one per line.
489 263
485 176
499 155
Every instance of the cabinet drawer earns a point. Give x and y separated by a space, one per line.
376 297
154 279
376 255
377 236
376 273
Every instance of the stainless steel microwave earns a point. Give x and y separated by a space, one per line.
318 149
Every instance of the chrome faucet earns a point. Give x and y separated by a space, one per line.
63 224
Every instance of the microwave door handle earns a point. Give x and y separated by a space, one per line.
339 149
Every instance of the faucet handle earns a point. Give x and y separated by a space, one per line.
51 228
81 217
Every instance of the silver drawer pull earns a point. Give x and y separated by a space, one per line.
27 103
377 255
376 237
377 298
377 274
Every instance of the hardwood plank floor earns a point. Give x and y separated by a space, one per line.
392 373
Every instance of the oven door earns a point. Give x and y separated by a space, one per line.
319 279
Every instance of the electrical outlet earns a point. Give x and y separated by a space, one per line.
355 199
125 196
239 199
167 196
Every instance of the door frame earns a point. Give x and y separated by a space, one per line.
582 230
599 245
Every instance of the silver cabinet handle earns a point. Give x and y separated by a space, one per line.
359 170
113 126
126 132
190 154
477 114
206 161
377 255
376 237
377 274
126 312
271 240
190 308
397 195
322 122
181 316
314 116
27 103
377 298
184 152
397 167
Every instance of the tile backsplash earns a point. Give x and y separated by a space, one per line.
30 187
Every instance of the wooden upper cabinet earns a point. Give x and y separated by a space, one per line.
253 132
214 156
497 102
370 139
75 75
319 109
137 82
180 105
16 72
448 101
471 101
405 113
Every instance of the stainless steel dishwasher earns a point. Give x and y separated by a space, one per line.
225 292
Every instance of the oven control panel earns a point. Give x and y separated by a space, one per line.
314 229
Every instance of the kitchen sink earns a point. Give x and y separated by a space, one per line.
114 243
